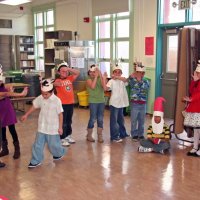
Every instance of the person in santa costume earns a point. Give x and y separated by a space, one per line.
158 133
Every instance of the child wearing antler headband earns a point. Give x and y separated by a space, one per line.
139 90
49 124
65 91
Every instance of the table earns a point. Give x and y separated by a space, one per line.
16 100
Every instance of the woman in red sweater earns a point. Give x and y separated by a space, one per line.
192 117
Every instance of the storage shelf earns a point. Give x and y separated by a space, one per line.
25 52
49 52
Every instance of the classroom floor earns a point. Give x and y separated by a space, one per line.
93 171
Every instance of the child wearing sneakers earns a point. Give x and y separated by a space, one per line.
49 124
118 100
158 133
64 90
139 87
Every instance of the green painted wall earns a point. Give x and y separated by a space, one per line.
150 73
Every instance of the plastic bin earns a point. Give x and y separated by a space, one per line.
83 98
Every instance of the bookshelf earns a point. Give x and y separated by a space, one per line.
25 58
49 52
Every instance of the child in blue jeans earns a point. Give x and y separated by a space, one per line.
138 96
118 100
49 124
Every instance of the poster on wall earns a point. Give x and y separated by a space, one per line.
149 46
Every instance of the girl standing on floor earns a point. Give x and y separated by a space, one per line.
96 85
8 117
192 114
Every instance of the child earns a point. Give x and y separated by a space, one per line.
1 163
49 124
139 90
158 134
118 100
96 84
64 89
8 117
192 114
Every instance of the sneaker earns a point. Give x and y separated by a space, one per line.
135 138
65 143
162 152
57 158
2 164
141 137
192 152
124 136
33 165
144 149
70 139
117 140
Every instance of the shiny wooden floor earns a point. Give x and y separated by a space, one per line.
92 171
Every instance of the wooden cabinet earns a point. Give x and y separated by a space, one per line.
49 53
25 57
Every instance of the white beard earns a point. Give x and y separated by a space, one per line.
157 128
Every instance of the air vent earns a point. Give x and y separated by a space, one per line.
5 23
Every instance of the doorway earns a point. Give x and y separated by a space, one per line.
168 76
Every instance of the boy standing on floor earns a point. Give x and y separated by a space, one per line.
158 133
138 96
118 100
64 89
49 124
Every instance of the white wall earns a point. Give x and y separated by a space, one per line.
70 14
21 20
144 26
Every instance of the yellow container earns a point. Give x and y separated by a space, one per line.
83 98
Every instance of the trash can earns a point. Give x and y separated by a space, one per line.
34 82
83 98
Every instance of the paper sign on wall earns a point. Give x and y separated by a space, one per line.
149 46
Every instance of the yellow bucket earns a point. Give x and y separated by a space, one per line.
83 98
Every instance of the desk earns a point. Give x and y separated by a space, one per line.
16 100
17 85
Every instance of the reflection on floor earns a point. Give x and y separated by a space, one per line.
92 171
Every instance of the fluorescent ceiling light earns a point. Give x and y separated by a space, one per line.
14 2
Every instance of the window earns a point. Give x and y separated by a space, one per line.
172 53
112 41
43 21
196 11
172 14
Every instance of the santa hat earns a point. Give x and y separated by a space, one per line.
198 66
63 64
47 85
158 107
158 111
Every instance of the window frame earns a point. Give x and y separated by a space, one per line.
113 40
45 27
